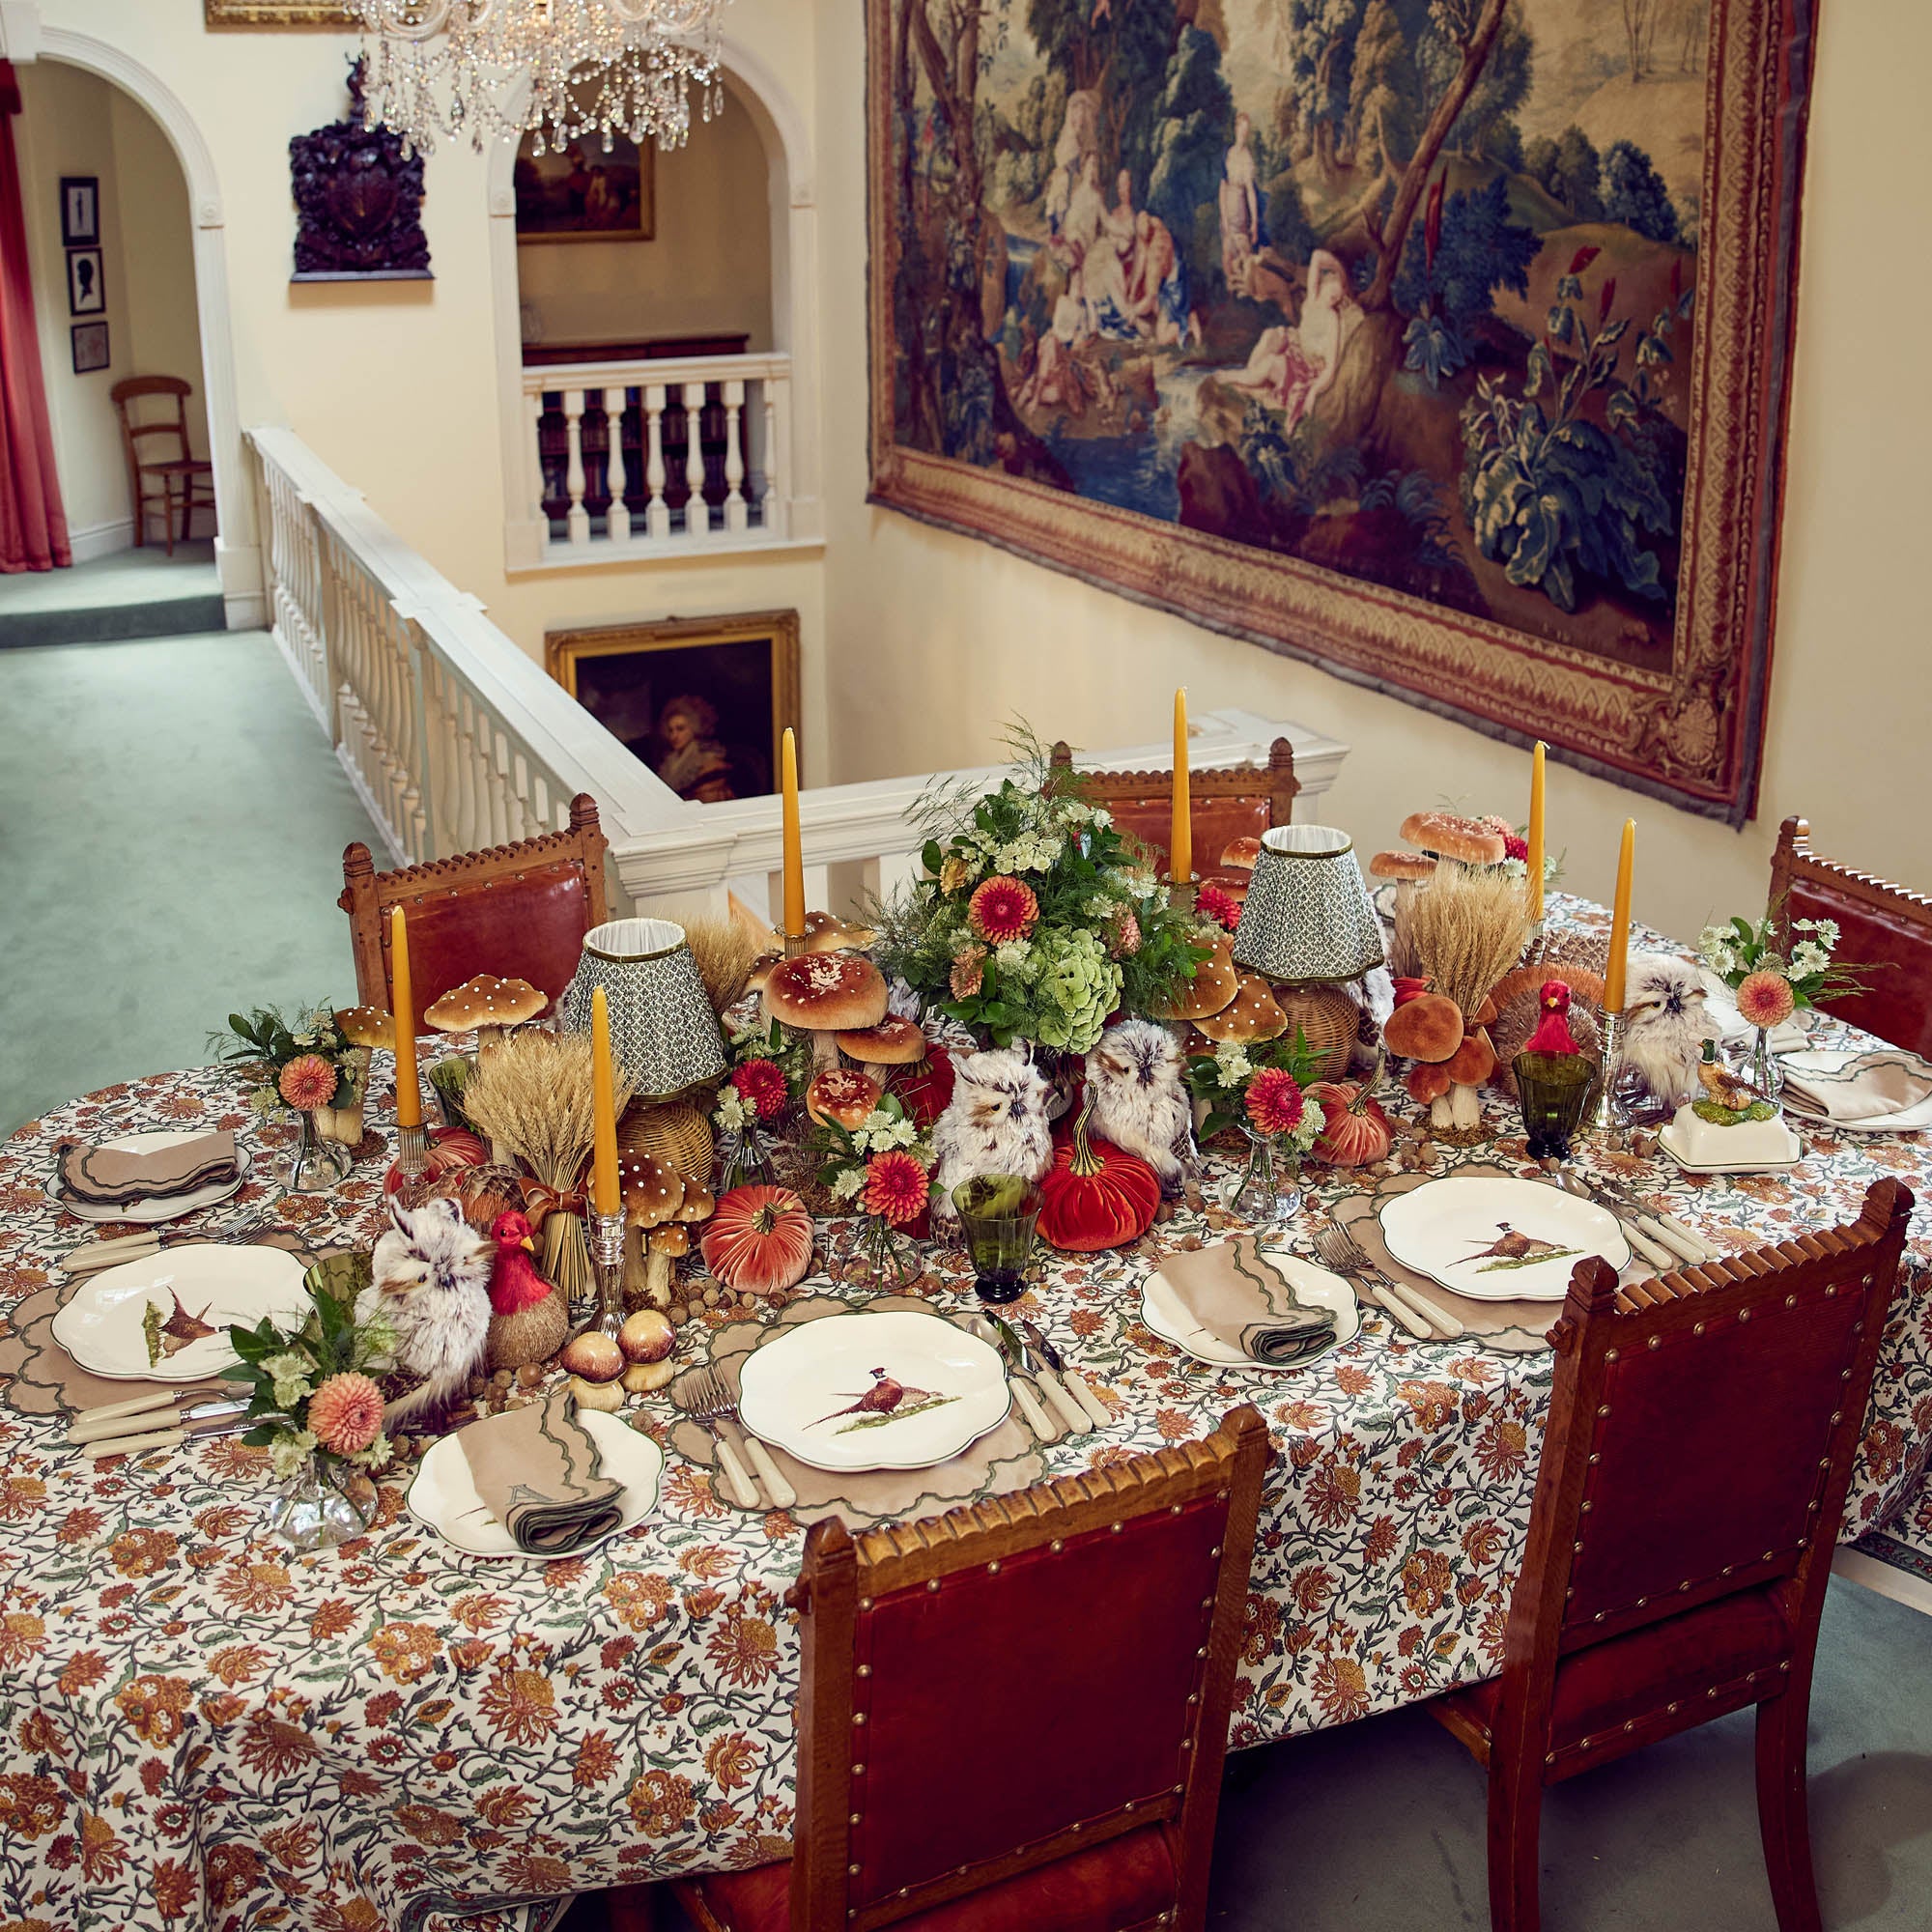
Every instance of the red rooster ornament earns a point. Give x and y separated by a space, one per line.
1553 1076
1552 1033
528 1318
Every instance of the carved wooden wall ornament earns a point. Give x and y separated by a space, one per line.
358 201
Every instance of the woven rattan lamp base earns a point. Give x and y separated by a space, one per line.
1328 1018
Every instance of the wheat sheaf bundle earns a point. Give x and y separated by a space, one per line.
1464 931
532 1096
722 951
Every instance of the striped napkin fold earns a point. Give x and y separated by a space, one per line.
1239 1297
102 1176
537 1472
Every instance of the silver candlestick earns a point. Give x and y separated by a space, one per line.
1608 1117
606 1255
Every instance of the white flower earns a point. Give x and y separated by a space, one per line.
1716 948
289 1449
1513 868
1809 957
1308 1130
1230 1063
1099 906
263 1101
1015 959
731 1112
1827 930
847 1182
291 1372
378 1454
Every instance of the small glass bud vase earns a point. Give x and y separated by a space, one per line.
1267 1192
315 1163
1753 1062
744 1160
321 1505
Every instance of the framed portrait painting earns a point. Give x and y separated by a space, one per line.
1444 344
89 347
582 193
702 701
86 289
80 211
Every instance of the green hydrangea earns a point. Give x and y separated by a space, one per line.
1077 988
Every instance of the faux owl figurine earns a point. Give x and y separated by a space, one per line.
431 1282
1666 1022
1139 1101
995 1123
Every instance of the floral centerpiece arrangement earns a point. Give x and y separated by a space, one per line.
1035 918
1770 983
881 1169
770 1070
1259 1088
302 1065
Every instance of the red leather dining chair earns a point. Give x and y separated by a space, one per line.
1885 928
518 911
1234 802
1014 1716
1701 1435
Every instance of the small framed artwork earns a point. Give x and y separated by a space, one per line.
580 193
86 290
80 211
702 701
277 14
90 347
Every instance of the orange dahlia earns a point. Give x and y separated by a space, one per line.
1274 1101
308 1081
1002 909
345 1413
1765 999
895 1187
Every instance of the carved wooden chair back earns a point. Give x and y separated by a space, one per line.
519 911
1884 926
1025 1701
1234 802
164 476
1701 1435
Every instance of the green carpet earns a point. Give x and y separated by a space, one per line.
173 832
130 594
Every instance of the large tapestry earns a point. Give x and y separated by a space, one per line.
1443 343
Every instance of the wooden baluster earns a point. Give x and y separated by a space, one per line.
617 517
737 513
578 521
534 412
499 788
415 757
777 459
767 500
696 512
657 512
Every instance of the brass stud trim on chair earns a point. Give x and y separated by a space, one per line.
1655 1341
932 1585
993 1568
1056 1546
1743 1316
864 1670
1610 1355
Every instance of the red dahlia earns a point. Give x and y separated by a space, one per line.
761 1087
1274 1101
1002 909
1223 908
895 1187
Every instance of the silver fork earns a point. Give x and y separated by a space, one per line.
702 1396
1421 1316
780 1491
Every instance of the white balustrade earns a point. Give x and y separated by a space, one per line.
683 490
455 739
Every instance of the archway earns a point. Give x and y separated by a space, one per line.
236 553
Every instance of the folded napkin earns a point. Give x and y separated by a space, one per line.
1244 1300
109 1177
1856 1087
536 1470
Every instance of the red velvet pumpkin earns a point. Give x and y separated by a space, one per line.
1356 1131
925 1088
448 1147
1095 1195
758 1239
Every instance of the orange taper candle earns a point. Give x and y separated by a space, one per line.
408 1088
794 856
605 1197
1620 923
1180 829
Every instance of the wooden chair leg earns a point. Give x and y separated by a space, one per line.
1516 1843
1782 1814
168 512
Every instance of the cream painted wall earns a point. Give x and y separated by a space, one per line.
707 267
939 638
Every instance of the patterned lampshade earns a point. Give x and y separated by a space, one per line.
1307 916
663 1031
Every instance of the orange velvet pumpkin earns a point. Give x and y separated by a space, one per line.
1095 1195
1355 1130
759 1240
448 1147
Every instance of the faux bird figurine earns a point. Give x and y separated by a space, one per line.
1666 1022
1139 1103
1552 1033
528 1318
1723 1086
430 1281
994 1124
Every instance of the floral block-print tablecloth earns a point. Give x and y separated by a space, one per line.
202 1731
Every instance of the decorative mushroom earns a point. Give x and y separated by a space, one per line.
1429 1029
488 1003
653 1194
843 1097
893 1043
1252 1014
825 994
367 1026
1239 855
668 1246
1214 983
1468 1066
824 933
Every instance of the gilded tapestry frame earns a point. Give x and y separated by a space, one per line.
259 13
1691 733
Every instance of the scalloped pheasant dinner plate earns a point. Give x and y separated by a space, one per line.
1499 1239
890 1389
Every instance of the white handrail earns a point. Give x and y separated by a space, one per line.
455 739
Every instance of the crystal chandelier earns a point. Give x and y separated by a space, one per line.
554 69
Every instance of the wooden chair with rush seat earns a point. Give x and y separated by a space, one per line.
1701 1436
165 486
519 911
1234 802
1884 926
1104 1611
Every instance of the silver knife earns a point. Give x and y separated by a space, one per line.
1684 1242
1646 1247
211 1406
1037 1419
1071 1379
172 1438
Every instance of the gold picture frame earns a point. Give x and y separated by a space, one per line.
624 180
734 680
246 13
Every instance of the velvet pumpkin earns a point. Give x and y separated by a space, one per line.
1355 1131
759 1240
449 1147
1095 1195
925 1088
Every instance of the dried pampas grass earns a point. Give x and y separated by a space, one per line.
1464 930
723 950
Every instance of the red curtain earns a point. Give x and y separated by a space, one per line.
33 524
